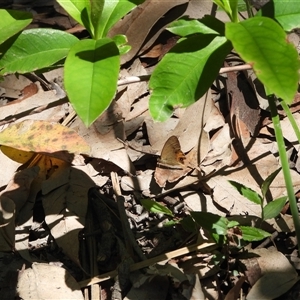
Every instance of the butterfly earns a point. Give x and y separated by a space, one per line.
171 154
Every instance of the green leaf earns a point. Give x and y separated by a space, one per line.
273 208
186 73
251 234
214 24
189 224
247 192
121 42
113 11
11 22
213 223
230 7
232 224
185 27
170 223
35 49
80 11
266 184
241 6
156 207
96 13
262 43
287 13
91 74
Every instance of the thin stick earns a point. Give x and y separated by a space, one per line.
235 68
136 79
143 264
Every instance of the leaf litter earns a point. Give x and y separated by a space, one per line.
60 209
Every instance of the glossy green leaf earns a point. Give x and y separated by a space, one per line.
287 13
185 27
35 49
113 11
12 22
273 208
230 7
185 73
80 11
262 43
247 192
266 184
213 223
252 234
189 224
156 207
96 14
241 6
121 42
91 74
232 224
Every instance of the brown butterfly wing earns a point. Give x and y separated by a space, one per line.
171 153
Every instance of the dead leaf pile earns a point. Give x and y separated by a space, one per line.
70 195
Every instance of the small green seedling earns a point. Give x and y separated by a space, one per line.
220 228
270 210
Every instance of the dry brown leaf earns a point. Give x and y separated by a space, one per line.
103 137
198 8
10 168
133 92
133 125
234 293
278 275
158 132
12 85
65 197
44 281
137 25
153 52
18 188
251 176
244 110
220 149
29 91
43 137
189 127
39 106
141 182
139 108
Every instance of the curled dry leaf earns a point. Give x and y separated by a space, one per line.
28 91
137 25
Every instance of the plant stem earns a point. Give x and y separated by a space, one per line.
285 167
291 119
249 9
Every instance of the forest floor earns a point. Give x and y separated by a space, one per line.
79 225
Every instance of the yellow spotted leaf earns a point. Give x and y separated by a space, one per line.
17 155
43 137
